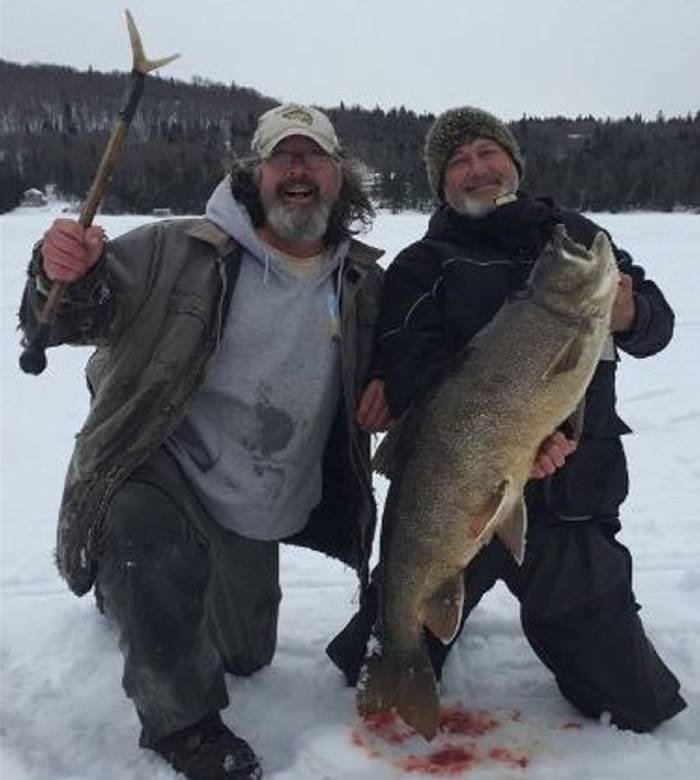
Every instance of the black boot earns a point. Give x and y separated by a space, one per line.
348 649
209 750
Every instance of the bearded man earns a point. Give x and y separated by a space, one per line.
577 607
231 350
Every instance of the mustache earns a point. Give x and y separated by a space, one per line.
490 180
298 181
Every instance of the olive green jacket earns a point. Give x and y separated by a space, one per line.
154 306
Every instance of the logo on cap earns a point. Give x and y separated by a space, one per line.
298 115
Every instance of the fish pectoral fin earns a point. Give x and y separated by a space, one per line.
567 358
391 452
573 425
443 612
503 503
383 460
406 685
513 529
508 520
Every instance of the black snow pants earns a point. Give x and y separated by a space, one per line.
191 599
578 613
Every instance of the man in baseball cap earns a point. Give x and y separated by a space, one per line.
299 175
293 119
232 352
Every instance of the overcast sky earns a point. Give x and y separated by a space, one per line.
537 57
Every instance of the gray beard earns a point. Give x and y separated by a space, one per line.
475 208
471 207
298 224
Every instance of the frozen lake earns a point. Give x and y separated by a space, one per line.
65 717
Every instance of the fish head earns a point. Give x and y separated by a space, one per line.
576 281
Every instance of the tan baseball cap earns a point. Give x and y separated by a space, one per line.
293 119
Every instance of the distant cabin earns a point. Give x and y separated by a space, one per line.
162 212
33 198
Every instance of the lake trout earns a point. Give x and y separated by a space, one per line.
460 457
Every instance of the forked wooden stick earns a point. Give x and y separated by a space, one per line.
33 358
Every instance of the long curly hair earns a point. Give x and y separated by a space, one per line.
352 212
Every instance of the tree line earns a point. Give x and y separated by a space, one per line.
55 121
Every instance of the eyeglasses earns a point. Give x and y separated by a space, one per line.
314 159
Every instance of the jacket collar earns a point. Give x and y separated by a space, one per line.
207 231
502 227
363 254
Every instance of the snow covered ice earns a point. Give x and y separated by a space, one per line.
65 717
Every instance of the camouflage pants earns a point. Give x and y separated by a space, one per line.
191 599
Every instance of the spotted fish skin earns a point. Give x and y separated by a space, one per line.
459 460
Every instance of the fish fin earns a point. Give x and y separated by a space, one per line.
513 529
573 425
407 686
397 440
504 502
567 358
384 458
443 612
401 436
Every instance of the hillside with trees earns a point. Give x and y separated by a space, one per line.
54 122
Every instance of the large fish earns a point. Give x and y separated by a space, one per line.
460 458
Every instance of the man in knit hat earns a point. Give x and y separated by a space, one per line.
231 349
578 610
487 168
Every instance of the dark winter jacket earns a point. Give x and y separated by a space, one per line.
155 306
441 290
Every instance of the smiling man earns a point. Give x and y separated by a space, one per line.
578 609
298 185
230 353
480 175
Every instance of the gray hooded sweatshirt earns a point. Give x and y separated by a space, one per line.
253 437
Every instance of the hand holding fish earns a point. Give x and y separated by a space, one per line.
624 308
372 412
552 455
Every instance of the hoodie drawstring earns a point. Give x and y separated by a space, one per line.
334 301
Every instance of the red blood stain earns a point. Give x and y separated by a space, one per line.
468 724
453 760
380 719
385 726
572 725
509 757
359 741
449 760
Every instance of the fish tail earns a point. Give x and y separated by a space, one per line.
406 686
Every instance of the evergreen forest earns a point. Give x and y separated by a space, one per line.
55 121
